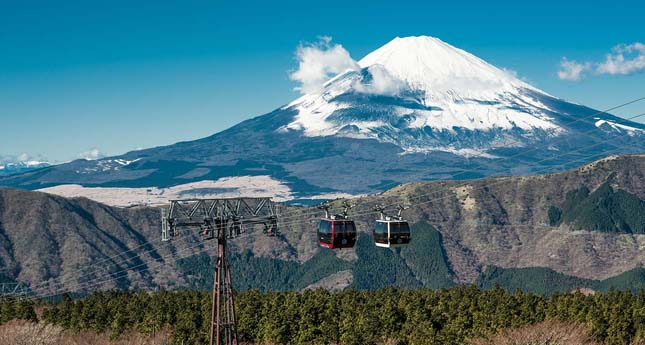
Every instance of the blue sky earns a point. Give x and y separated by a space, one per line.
120 75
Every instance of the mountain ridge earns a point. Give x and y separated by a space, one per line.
356 137
12 165
501 221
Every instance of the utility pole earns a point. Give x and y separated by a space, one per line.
221 220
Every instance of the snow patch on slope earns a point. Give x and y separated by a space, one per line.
23 162
106 165
226 187
467 153
631 131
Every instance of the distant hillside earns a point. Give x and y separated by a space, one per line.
461 230
603 209
546 281
14 165
44 237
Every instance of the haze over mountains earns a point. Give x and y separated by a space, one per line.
415 109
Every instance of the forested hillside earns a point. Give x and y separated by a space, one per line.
584 224
603 210
421 264
545 281
389 316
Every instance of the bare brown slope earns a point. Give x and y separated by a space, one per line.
496 221
503 221
46 237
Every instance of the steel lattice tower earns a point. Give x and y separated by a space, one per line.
221 220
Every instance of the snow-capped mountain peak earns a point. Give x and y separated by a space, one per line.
13 164
429 64
404 98
415 91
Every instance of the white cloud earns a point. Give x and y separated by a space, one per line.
91 154
511 73
624 59
320 61
381 83
571 70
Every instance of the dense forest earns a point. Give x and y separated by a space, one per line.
393 316
422 263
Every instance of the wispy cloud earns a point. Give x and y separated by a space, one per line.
623 59
91 154
626 59
572 70
380 83
318 62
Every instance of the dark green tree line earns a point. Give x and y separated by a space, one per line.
399 316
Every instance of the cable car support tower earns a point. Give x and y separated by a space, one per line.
221 220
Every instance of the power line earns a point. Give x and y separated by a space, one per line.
86 285
79 286
92 282
122 273
489 185
510 144
465 183
70 274
417 197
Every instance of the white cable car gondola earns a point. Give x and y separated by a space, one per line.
391 231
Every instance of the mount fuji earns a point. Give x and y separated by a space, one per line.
416 92
415 109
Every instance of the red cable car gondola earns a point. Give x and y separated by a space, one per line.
337 231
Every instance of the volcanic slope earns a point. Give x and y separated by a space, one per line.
414 109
